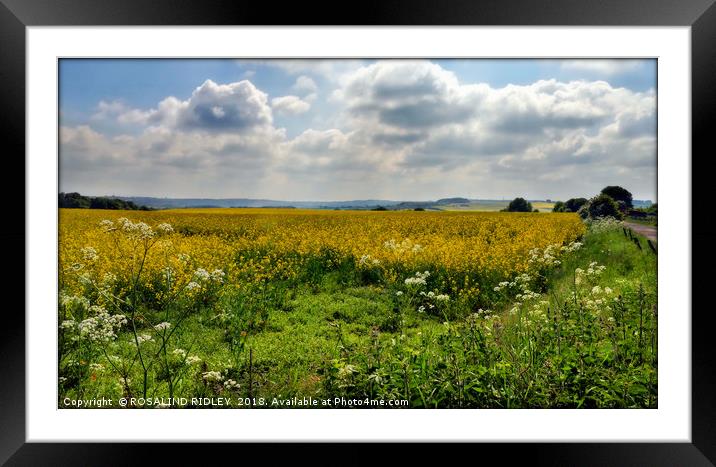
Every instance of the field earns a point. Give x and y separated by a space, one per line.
438 309
492 206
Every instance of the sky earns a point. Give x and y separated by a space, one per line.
346 129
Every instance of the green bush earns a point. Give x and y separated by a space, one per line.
574 204
618 193
600 206
519 205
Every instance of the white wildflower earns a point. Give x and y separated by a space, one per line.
230 384
192 359
165 228
217 275
201 275
213 376
142 338
89 254
106 225
162 326
346 371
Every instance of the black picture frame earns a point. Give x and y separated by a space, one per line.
700 15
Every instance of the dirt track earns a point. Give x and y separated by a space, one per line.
649 231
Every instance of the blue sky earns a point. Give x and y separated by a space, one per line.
346 129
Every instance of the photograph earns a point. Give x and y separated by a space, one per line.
357 233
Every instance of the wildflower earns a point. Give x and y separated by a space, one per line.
231 384
103 327
399 293
213 376
106 225
201 275
217 275
108 279
162 326
142 338
346 371
192 286
418 279
192 359
89 254
165 228
181 353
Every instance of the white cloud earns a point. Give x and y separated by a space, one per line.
306 87
290 105
603 67
330 69
238 106
409 130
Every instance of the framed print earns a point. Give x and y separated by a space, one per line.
422 226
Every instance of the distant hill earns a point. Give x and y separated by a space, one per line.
76 200
175 203
452 201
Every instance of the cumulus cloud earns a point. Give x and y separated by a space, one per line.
412 94
447 124
290 105
216 107
306 87
409 130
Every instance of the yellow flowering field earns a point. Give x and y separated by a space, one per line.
259 245
440 309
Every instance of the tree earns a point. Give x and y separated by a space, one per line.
519 205
618 193
76 200
573 204
558 207
600 206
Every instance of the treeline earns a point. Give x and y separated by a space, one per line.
76 200
612 201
